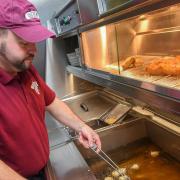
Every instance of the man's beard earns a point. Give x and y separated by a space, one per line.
17 63
22 65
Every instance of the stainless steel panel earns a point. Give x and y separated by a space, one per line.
100 48
57 136
122 134
117 135
100 6
88 10
150 34
109 5
160 20
166 44
68 19
74 14
168 141
67 164
97 104
161 30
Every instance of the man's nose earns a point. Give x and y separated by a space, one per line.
31 48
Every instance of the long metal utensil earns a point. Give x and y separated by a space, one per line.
109 161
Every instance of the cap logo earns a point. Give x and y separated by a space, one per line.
32 15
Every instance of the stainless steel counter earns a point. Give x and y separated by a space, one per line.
68 164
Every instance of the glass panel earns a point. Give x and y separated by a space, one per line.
100 49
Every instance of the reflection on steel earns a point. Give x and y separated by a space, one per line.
97 102
109 6
99 48
103 34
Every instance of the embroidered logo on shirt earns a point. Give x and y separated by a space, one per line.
35 87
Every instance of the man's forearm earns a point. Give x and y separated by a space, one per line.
9 174
87 136
63 114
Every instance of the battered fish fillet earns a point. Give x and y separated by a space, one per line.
130 62
164 66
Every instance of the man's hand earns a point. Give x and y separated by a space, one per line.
88 137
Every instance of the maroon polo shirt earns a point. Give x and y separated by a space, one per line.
23 136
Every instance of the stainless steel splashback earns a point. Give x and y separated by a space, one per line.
99 46
150 34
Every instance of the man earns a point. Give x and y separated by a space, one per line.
24 97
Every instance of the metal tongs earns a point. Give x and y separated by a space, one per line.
109 161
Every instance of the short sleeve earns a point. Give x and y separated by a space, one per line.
49 94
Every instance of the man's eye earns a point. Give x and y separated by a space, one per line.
24 43
20 41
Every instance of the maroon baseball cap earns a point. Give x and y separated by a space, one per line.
21 17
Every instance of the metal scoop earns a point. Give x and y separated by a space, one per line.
117 114
110 162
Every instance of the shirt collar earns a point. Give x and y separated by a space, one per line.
5 77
